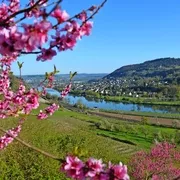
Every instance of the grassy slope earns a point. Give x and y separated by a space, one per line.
59 135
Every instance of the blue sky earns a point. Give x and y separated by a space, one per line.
125 32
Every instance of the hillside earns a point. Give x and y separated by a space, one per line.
15 82
165 69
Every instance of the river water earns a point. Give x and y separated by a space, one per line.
109 105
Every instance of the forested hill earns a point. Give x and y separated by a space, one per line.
163 68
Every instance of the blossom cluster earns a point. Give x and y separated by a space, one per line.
17 37
93 169
15 103
48 111
66 90
50 81
9 136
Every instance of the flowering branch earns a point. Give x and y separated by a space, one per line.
93 9
56 6
95 12
3 23
25 10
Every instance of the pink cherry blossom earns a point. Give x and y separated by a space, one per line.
37 34
32 99
82 16
42 115
72 27
9 136
86 28
47 54
94 167
51 109
44 92
66 90
73 167
119 171
69 42
22 89
60 15
50 81
3 11
14 5
36 12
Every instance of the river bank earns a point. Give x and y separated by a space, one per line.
125 99
157 119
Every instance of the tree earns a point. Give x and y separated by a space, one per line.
43 38
159 163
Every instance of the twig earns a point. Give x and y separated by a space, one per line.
57 3
33 147
35 52
95 12
19 20
70 19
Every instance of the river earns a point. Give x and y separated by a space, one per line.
109 105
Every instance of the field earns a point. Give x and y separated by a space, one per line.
161 121
146 114
100 137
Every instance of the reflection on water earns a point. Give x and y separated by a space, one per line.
99 103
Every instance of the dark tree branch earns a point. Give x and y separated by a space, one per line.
35 52
70 19
19 20
57 4
95 12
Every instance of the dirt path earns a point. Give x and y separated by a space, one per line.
152 120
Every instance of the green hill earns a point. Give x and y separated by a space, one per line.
15 82
165 69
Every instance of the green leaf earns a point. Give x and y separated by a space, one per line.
76 151
20 64
55 70
79 152
72 75
46 75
